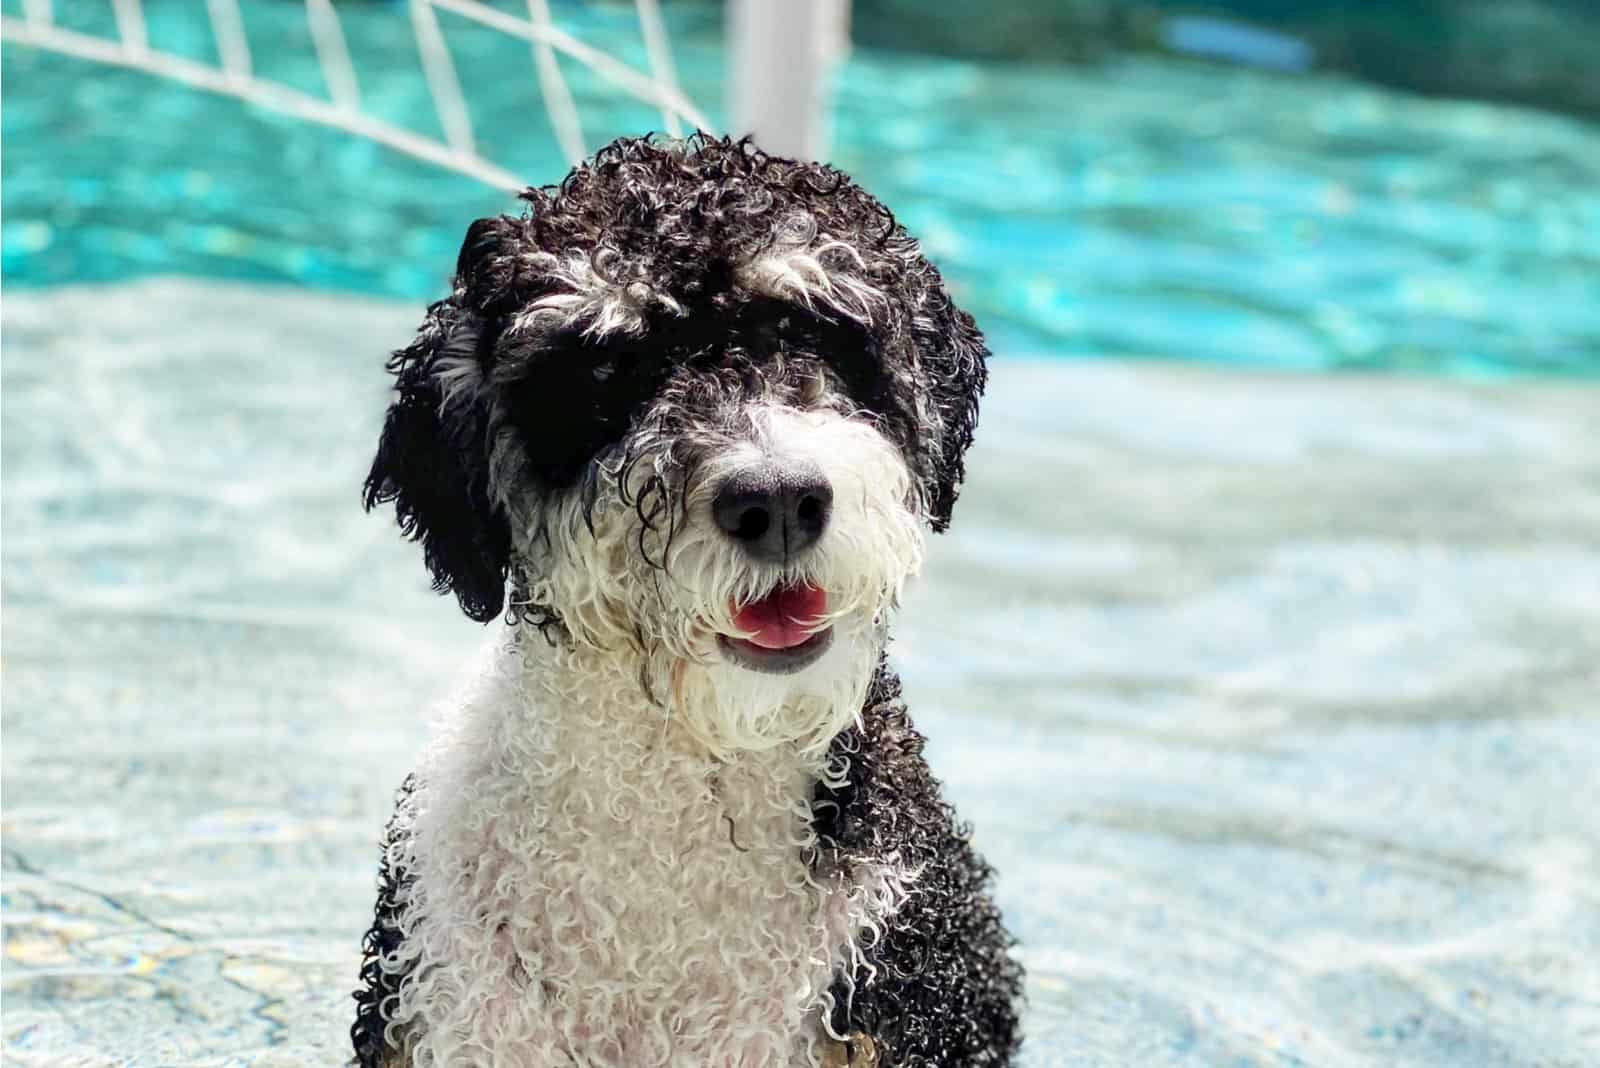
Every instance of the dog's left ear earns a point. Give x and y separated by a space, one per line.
954 356
433 456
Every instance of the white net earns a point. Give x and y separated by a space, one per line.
342 108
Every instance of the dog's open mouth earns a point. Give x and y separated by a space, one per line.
783 629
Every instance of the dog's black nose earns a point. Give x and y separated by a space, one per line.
775 510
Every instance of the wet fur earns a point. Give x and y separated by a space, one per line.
609 801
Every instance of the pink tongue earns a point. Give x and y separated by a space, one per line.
783 619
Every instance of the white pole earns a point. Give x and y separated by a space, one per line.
782 54
558 102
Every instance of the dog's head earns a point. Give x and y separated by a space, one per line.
699 406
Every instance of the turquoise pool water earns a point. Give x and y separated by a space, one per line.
1143 208
1278 712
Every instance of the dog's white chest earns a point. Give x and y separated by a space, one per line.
590 889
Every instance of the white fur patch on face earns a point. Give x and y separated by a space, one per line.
662 600
872 546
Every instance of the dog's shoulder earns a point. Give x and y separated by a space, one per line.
939 987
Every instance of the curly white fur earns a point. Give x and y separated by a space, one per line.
587 295
610 844
812 270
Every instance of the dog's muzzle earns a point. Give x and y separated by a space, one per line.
775 511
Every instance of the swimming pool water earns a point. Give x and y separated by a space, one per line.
1272 698
1144 207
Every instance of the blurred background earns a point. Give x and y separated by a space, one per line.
1263 655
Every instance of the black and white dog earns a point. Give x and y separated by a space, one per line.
695 410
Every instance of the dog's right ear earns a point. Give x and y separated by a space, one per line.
433 455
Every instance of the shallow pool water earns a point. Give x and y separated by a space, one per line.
1273 698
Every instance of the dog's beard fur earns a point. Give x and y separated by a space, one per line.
652 587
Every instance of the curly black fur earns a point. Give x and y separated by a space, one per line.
435 470
939 990
666 227
379 988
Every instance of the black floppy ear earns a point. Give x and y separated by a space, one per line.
433 455
955 358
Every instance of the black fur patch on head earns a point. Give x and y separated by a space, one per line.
938 989
634 279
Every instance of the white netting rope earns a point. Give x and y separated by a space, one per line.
341 108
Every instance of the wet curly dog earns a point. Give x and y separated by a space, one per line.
684 426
